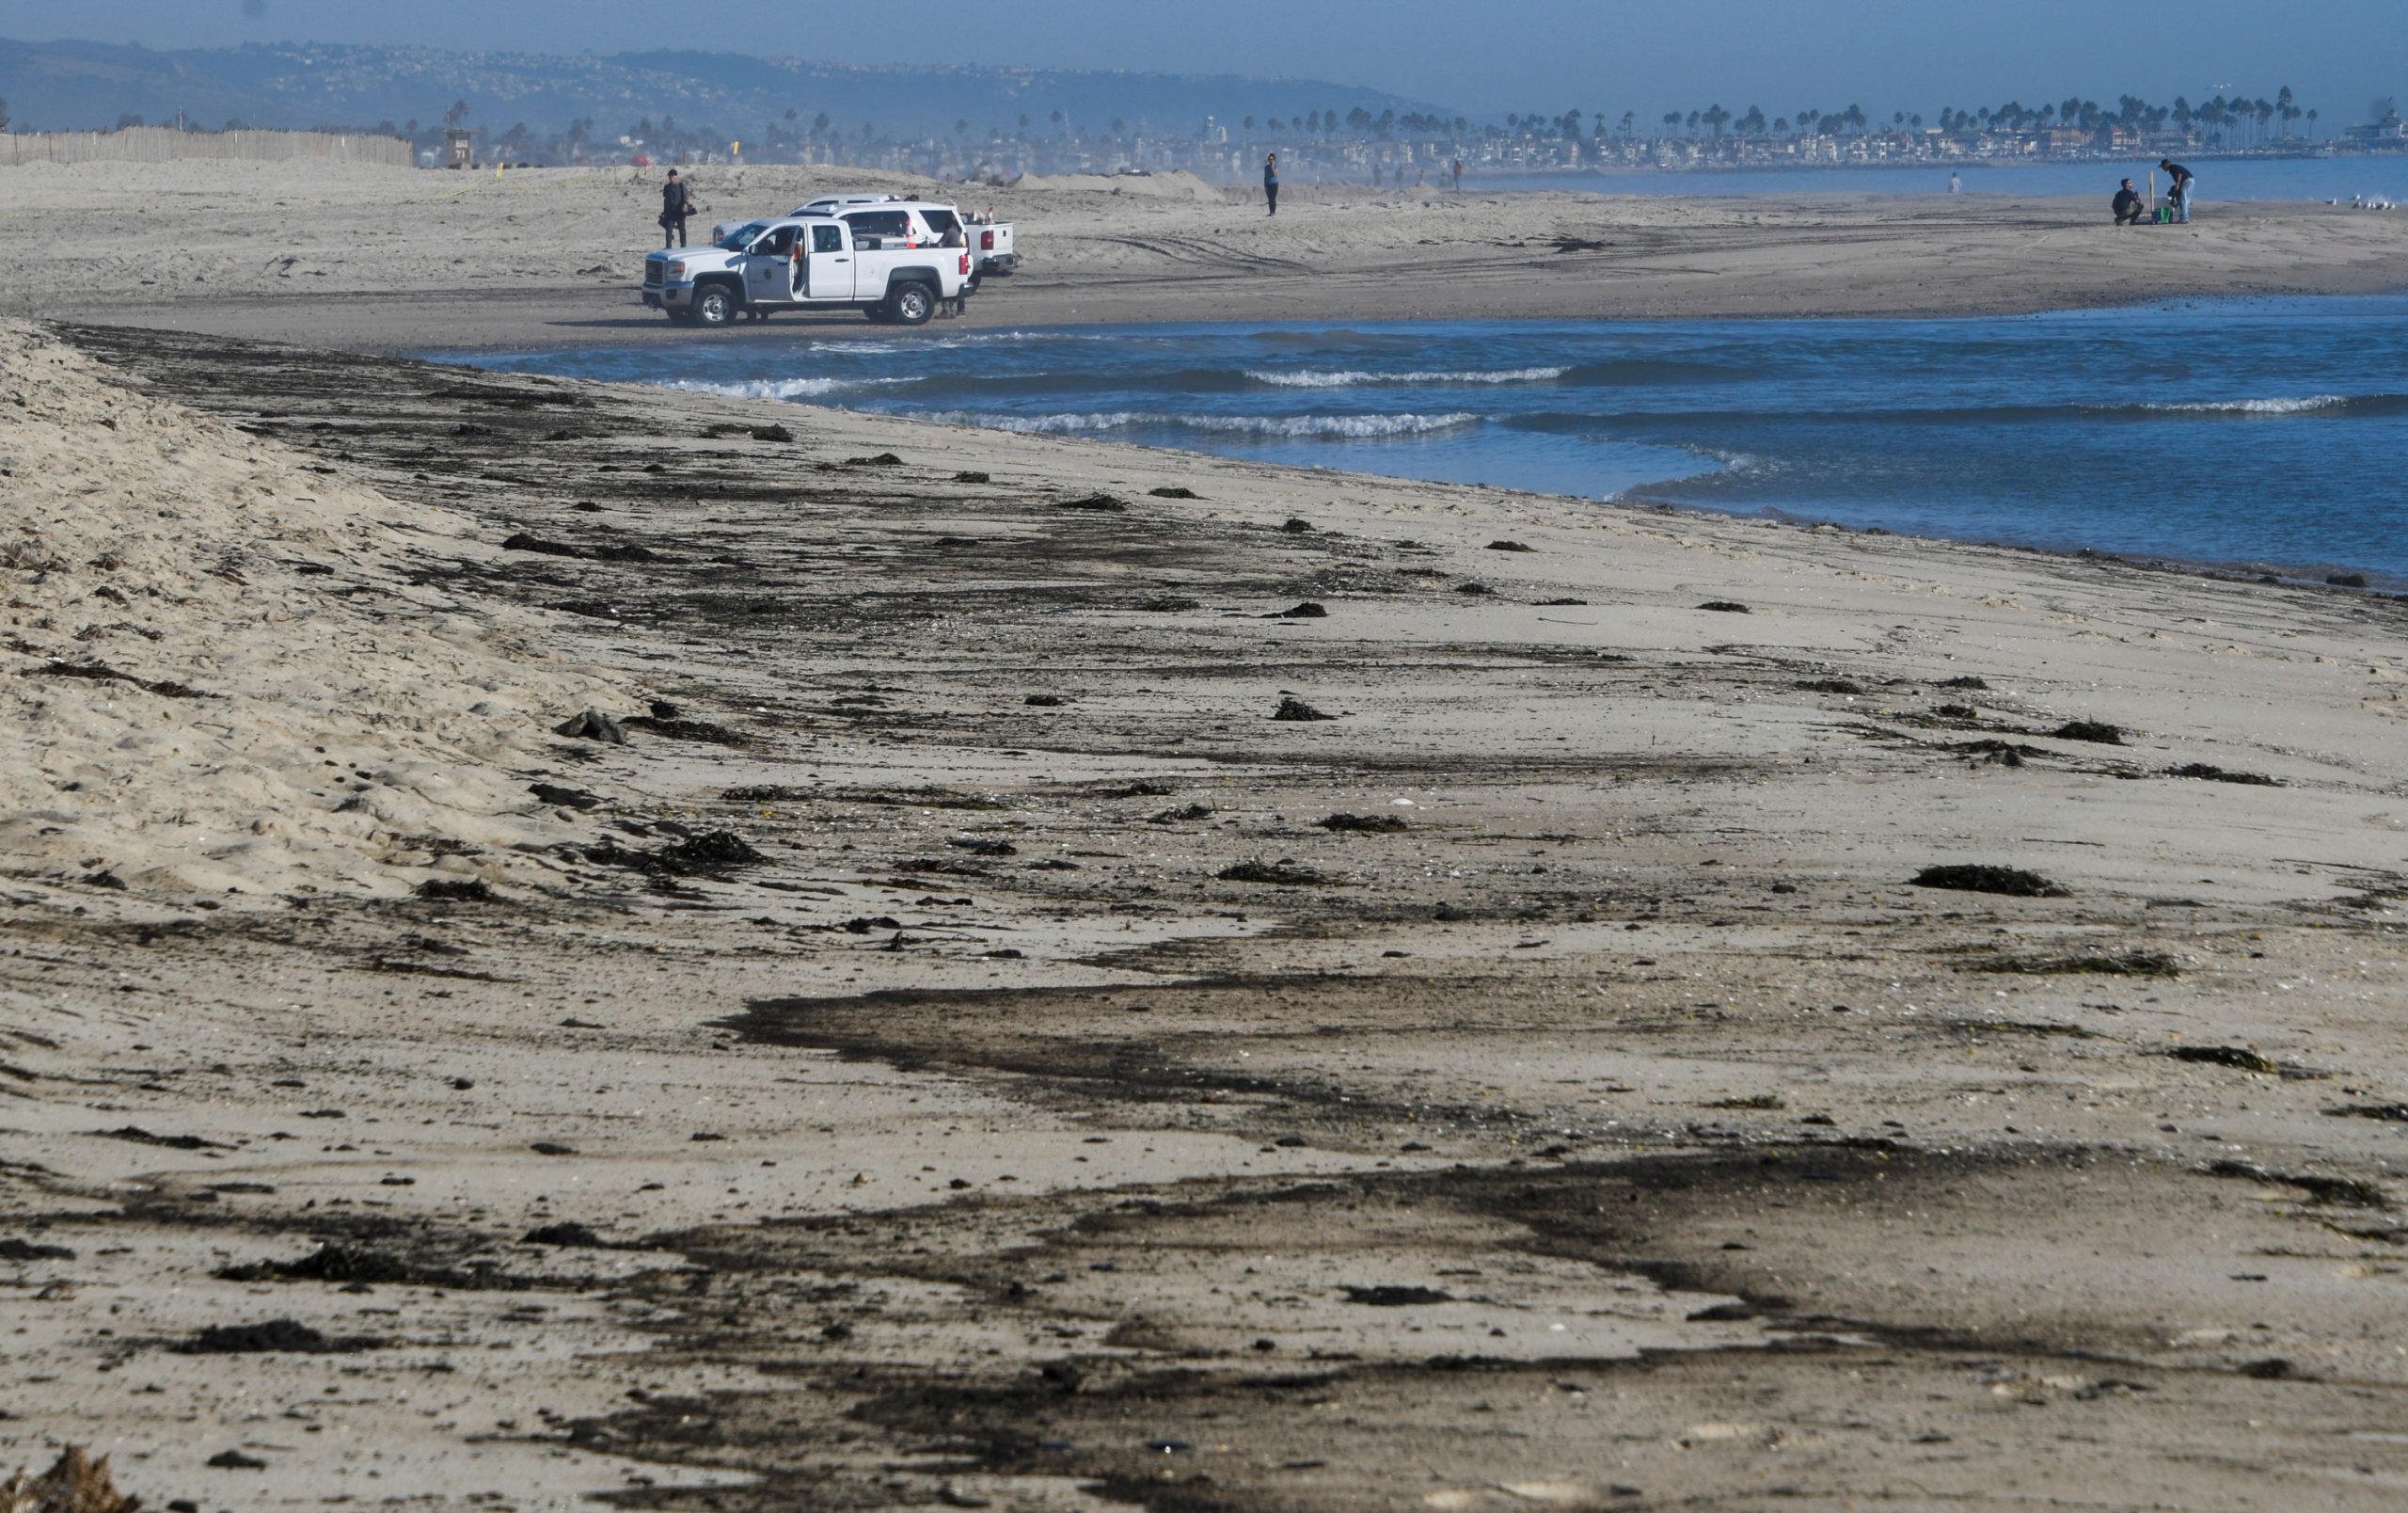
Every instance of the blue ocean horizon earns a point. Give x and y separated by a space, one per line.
2263 436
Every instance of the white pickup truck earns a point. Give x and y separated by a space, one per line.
993 244
806 262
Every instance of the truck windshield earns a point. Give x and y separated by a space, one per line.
743 237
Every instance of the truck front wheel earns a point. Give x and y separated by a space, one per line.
914 304
714 306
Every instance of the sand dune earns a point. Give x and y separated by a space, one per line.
222 682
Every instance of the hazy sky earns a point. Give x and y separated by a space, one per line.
1474 55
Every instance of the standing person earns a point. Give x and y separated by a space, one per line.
677 203
1271 182
2183 183
2128 205
1459 175
1956 184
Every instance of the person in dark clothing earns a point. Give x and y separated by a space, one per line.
1271 182
2183 181
2129 207
677 203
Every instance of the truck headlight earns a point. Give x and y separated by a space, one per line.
677 270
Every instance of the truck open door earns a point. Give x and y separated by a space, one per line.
830 268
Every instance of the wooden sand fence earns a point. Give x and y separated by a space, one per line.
164 144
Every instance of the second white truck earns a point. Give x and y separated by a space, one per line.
993 244
807 262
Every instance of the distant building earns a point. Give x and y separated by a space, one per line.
2389 132
459 148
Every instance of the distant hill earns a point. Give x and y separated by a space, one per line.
83 86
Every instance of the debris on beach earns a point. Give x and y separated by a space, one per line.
1103 503
1296 708
1296 527
2208 774
592 725
1508 546
2130 964
1725 607
677 729
2238 1057
1390 1296
1308 609
275 1336
1368 824
1279 874
2099 732
457 890
74 1484
102 672
881 459
1173 491
1974 878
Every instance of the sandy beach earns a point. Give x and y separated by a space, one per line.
396 261
574 946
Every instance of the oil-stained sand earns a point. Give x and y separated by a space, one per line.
1626 1130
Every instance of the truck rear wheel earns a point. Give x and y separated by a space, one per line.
914 304
714 305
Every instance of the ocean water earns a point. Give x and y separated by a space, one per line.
2270 435
2383 178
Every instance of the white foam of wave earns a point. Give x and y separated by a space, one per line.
781 388
2254 407
856 345
1357 378
1319 427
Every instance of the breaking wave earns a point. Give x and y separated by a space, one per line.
781 388
1283 427
1364 379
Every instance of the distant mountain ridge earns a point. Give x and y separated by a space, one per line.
86 85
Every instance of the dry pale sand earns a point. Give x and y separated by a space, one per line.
395 259
956 1054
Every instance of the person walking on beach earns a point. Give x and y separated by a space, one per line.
1271 182
1459 176
2129 207
677 203
2183 183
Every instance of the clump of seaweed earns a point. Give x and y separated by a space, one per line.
2208 773
1279 874
2099 732
2130 963
1964 877
1367 824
